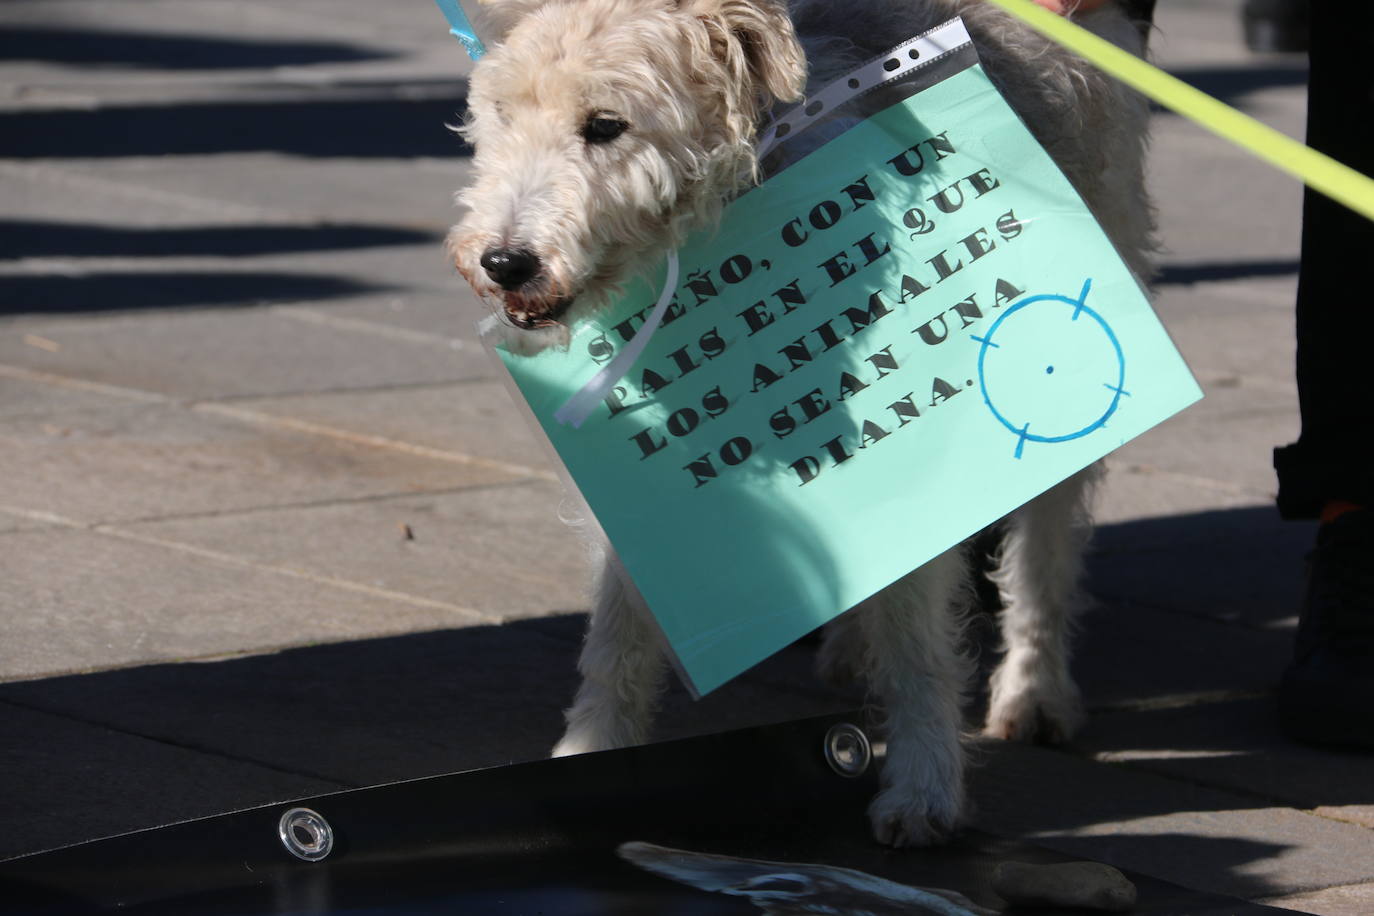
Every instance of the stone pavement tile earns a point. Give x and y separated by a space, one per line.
207 354
499 548
379 710
1253 214
473 418
42 191
1350 900
358 713
271 20
1253 285
1131 493
1192 31
10 523
1127 655
1199 837
77 600
1236 746
25 400
141 461
67 781
361 256
1228 437
273 186
1220 337
449 312
1354 814
1233 565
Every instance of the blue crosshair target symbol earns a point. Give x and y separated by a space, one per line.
1051 369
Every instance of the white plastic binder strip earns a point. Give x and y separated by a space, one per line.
910 55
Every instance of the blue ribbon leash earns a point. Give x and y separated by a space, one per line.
460 28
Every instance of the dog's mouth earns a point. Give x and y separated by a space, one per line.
529 315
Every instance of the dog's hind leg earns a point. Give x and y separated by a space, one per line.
1033 697
622 669
916 664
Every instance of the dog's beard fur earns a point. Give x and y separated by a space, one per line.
688 79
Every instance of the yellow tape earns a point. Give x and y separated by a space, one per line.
1317 170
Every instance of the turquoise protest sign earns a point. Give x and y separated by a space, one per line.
886 347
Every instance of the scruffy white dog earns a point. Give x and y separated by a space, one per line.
605 130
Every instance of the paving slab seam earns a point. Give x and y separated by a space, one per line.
1143 765
115 526
345 390
187 203
1365 890
1179 700
76 384
1135 766
375 328
1101 599
259 418
1208 483
181 745
471 615
1323 812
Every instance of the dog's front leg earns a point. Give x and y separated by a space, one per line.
1034 697
622 668
915 659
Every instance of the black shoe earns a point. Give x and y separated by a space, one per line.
1327 693
1276 25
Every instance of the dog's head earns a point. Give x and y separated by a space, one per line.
603 131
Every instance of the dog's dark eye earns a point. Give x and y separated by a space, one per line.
603 128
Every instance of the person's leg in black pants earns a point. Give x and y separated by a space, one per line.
1327 693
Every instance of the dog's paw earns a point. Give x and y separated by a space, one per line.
585 739
901 820
573 744
1035 714
570 747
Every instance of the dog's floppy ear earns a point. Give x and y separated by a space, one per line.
755 37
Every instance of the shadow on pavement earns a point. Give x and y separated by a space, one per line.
102 292
1235 743
1233 84
1241 566
1189 274
98 48
380 710
43 239
343 715
358 128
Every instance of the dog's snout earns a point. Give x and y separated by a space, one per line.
510 268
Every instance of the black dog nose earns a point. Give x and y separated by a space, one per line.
511 268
